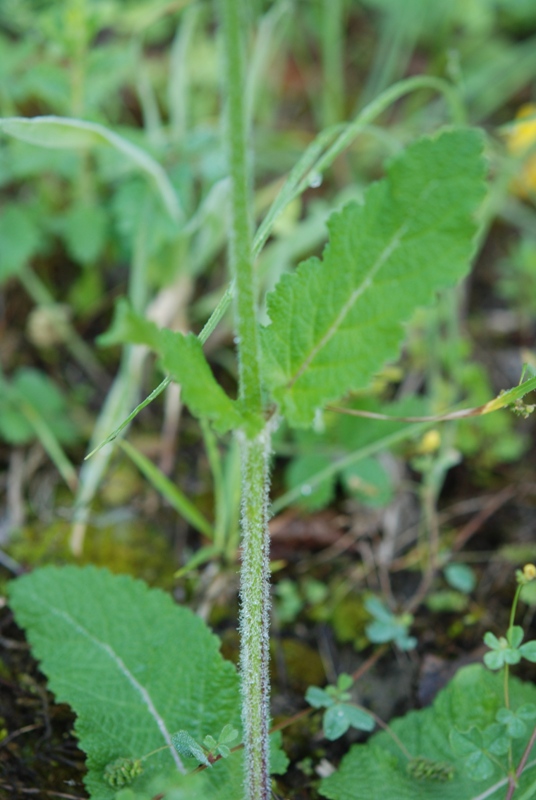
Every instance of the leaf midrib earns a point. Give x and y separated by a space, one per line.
122 667
347 307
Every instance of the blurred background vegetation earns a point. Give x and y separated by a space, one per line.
419 514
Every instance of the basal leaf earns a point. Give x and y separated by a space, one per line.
182 356
335 322
134 666
380 768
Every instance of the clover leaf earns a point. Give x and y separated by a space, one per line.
508 650
515 721
468 746
388 627
340 715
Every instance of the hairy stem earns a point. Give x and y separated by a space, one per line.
255 445
255 613
240 248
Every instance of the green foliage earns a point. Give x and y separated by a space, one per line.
388 627
460 576
451 737
134 666
340 714
517 282
61 133
413 236
210 750
30 401
182 356
333 324
508 649
19 234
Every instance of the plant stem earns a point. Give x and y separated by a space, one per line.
332 62
254 445
255 614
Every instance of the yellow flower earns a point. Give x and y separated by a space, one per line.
529 572
521 138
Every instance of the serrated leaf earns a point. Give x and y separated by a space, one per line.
335 322
379 768
182 356
187 747
134 666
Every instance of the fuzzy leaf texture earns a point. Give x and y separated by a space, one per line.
336 322
136 668
471 701
182 356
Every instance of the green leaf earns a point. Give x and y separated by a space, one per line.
358 718
369 482
379 768
84 229
335 722
32 406
494 660
20 239
134 666
468 746
495 739
335 322
318 698
514 636
528 651
460 576
187 747
182 356
297 474
388 627
514 724
228 734
344 681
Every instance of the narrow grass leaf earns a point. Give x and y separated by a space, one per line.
175 497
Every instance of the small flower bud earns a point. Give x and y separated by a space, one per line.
122 772
430 442
529 572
